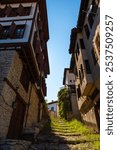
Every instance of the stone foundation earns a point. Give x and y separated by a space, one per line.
14 144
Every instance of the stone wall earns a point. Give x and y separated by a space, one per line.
90 119
6 59
14 145
75 109
33 108
11 68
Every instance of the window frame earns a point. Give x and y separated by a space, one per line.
82 45
6 29
94 56
87 66
87 31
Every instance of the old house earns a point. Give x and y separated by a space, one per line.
85 61
24 65
69 83
53 108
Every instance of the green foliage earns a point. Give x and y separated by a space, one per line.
64 103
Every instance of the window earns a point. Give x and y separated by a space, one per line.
77 48
87 31
80 77
94 7
13 31
52 108
94 56
72 88
77 51
94 94
77 56
75 71
90 19
13 12
23 11
8 10
88 70
2 12
82 44
25 78
4 32
79 91
19 32
27 11
82 72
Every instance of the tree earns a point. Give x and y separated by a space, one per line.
64 103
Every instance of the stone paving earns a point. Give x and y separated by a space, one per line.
53 138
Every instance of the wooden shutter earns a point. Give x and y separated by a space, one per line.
8 10
2 11
12 29
21 10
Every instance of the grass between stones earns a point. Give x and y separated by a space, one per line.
72 135
83 133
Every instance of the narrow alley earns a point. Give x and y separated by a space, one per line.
59 134
49 75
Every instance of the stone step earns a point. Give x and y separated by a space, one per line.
66 134
64 131
62 139
48 146
61 125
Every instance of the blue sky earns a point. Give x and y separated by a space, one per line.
62 17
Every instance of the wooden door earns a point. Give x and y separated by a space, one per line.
17 120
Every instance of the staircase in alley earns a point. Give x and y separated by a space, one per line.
59 134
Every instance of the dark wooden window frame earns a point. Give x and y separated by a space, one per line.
91 20
17 34
80 78
87 66
82 44
82 72
94 56
13 12
87 31
79 91
94 94
5 32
